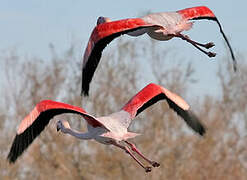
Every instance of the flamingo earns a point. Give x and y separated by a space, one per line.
159 26
109 130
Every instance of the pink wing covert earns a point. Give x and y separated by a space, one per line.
49 105
153 93
107 29
196 12
149 93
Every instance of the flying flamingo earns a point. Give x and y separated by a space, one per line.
159 26
110 130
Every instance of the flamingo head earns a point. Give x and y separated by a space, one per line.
63 125
102 19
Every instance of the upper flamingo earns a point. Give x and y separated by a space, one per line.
160 26
110 129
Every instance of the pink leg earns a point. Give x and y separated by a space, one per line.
127 150
133 147
185 37
197 44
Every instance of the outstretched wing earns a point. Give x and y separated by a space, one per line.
203 12
102 35
151 94
34 123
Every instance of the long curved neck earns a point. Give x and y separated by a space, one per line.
78 134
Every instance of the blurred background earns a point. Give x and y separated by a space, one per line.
41 49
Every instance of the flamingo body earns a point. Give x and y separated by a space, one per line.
169 23
160 26
110 129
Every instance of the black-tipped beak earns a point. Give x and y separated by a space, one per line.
58 129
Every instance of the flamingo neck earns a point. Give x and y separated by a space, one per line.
78 134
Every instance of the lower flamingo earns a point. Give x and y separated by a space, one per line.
110 130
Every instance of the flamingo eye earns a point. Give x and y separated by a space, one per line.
100 20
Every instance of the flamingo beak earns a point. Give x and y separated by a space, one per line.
58 128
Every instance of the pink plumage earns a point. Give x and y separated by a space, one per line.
147 94
49 105
105 30
196 12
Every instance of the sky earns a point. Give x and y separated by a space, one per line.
29 26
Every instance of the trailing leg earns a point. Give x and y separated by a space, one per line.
128 151
197 44
134 148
